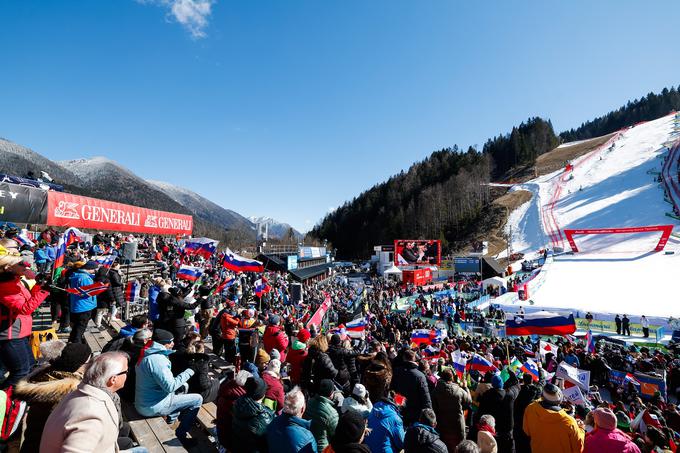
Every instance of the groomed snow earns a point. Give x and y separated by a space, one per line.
610 188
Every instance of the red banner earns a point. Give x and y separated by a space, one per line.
68 210
665 230
320 313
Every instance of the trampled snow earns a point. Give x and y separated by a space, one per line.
611 187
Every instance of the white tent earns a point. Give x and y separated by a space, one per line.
493 281
393 271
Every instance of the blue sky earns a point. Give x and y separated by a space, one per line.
289 108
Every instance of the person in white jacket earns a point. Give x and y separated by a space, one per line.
358 401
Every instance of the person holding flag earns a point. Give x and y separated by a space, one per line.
171 308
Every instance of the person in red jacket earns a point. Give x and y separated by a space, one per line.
229 392
272 377
275 337
229 326
17 303
296 355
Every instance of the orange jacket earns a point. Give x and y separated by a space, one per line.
229 327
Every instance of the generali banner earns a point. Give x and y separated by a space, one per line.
68 210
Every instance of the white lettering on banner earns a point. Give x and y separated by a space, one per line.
4 193
108 215
574 395
574 375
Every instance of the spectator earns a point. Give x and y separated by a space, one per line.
323 414
422 435
645 326
358 401
171 308
81 306
229 392
87 419
548 426
450 401
527 395
138 322
274 396
387 428
192 355
229 331
486 434
349 435
250 419
43 389
317 366
378 377
156 386
297 352
467 446
625 322
17 303
289 432
275 337
411 383
606 438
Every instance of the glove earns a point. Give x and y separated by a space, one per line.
44 281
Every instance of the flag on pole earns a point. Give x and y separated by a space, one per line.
459 363
541 323
204 247
480 364
530 367
189 273
89 290
262 287
545 348
132 291
70 236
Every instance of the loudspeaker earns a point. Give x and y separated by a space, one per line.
296 293
128 252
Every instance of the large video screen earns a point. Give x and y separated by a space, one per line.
417 252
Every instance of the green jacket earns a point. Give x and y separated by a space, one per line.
324 417
249 425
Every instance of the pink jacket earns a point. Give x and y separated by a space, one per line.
16 306
609 441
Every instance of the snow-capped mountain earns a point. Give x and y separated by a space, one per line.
204 208
276 229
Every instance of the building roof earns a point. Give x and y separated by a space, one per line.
309 272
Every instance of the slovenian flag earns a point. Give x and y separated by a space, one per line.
106 260
356 328
69 237
226 283
427 336
541 323
132 291
204 247
480 364
629 378
23 239
189 273
530 367
237 263
262 287
459 363
89 290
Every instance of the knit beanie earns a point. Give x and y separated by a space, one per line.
552 393
350 428
255 388
604 418
162 336
72 357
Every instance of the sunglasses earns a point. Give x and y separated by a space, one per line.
123 372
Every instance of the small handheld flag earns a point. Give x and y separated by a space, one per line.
89 290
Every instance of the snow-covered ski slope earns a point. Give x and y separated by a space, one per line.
611 187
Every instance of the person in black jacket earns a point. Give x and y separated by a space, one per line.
317 365
117 291
527 395
411 383
191 354
171 307
104 299
499 403
423 437
343 359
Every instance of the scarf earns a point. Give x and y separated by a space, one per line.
486 428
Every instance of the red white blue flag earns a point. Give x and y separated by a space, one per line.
204 247
262 287
530 367
480 364
237 263
541 323
69 237
189 273
89 290
132 291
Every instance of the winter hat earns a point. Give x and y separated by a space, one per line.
72 357
274 320
162 336
604 418
51 350
497 381
90 265
360 391
304 335
552 393
262 358
622 421
351 427
275 354
326 387
255 388
336 340
274 366
241 377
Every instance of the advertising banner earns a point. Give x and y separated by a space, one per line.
417 251
311 252
648 384
22 204
68 210
317 318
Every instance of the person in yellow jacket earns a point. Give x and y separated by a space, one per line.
549 427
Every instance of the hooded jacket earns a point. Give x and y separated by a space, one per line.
249 426
16 305
295 357
609 441
81 304
423 438
291 435
316 367
552 431
449 401
155 381
275 338
324 418
42 392
387 428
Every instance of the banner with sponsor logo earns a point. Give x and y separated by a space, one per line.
22 204
574 375
64 209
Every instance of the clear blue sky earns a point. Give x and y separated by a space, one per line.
288 108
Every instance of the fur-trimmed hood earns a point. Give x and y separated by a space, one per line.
49 388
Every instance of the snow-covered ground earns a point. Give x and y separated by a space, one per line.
610 188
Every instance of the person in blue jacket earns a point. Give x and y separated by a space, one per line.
387 428
155 387
289 432
81 306
41 258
